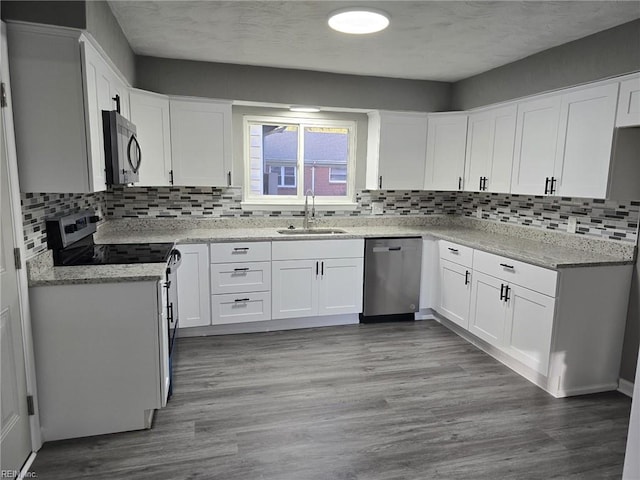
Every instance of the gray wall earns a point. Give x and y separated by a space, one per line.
63 13
275 85
608 53
105 29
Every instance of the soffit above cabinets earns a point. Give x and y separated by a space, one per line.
427 40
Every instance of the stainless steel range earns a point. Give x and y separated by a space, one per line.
70 237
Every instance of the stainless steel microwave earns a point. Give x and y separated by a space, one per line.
122 152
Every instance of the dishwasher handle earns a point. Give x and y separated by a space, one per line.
386 249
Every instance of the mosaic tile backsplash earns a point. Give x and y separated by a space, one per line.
38 206
596 218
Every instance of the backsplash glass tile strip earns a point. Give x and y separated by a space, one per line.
604 219
38 206
214 202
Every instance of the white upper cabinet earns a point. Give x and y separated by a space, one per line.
535 146
201 140
150 114
489 153
629 102
585 136
396 148
60 85
446 141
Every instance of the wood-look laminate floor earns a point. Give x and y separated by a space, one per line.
405 401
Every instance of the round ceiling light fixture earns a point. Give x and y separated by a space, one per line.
358 21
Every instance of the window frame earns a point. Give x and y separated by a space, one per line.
337 181
279 201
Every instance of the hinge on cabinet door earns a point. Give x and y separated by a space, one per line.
17 258
30 408
3 95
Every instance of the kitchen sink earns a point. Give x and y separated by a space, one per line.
310 231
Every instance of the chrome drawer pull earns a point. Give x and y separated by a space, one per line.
454 250
245 269
241 249
242 300
506 266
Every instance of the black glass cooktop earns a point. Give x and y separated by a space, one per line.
110 254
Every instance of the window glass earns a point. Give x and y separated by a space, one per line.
325 148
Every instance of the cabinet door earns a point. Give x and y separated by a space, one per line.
478 156
193 286
503 140
150 114
403 143
488 311
535 148
455 292
529 327
446 143
200 142
587 119
629 103
294 289
340 286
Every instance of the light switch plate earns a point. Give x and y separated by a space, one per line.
377 208
571 225
479 212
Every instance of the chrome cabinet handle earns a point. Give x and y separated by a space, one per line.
241 249
454 250
238 300
507 266
245 269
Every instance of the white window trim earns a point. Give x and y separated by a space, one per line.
282 175
283 202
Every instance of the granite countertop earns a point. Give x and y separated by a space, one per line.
546 249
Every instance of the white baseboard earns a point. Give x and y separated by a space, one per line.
24 471
625 387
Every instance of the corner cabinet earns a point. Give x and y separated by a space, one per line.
60 85
317 277
150 114
201 141
396 149
446 146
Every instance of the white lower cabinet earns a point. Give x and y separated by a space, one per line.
513 318
488 310
305 286
193 286
529 326
455 291
240 282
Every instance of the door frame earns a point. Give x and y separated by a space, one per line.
18 239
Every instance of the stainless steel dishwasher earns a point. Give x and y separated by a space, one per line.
391 278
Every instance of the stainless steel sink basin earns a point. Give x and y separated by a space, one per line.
310 231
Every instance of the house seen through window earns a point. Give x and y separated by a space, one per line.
287 160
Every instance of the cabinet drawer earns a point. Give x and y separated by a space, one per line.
240 252
311 249
456 253
239 308
240 277
526 275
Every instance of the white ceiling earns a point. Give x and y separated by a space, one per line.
427 40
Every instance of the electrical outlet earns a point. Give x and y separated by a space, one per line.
571 224
377 208
479 212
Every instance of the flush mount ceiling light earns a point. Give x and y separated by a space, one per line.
358 21
303 108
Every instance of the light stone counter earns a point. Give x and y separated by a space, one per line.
544 248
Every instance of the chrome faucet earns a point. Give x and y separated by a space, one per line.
309 220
